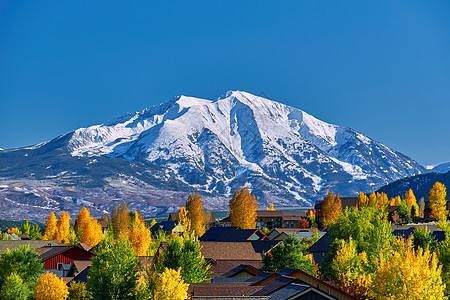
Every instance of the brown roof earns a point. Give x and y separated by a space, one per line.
49 252
80 265
230 251
221 267
222 289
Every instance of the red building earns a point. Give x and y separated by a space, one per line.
59 259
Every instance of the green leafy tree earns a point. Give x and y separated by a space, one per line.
186 256
404 212
370 231
23 261
14 288
114 270
288 254
423 238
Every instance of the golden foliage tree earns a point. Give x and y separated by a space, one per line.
50 227
184 220
411 202
348 267
121 221
438 202
395 201
88 228
363 200
408 274
50 287
140 236
170 286
331 209
271 207
63 228
243 208
84 217
196 214
91 233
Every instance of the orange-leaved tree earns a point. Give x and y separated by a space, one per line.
88 228
50 287
411 202
243 208
331 209
50 227
63 228
363 200
196 214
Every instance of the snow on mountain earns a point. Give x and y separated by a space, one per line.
214 146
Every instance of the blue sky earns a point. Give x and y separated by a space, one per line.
381 67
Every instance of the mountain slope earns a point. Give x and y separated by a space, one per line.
421 184
442 168
192 144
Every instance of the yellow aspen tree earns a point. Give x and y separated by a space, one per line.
51 287
438 202
363 200
372 199
184 220
331 209
382 200
140 236
91 233
84 217
170 286
121 221
63 228
348 266
50 227
411 202
408 274
243 208
196 214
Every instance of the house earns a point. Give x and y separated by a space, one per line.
320 248
168 227
59 259
232 234
224 256
248 282
280 234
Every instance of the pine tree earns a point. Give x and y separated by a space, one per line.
438 202
121 221
51 287
140 236
63 228
196 214
50 227
331 209
243 208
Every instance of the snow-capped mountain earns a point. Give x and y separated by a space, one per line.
213 147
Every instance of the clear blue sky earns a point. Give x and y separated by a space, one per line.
381 67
